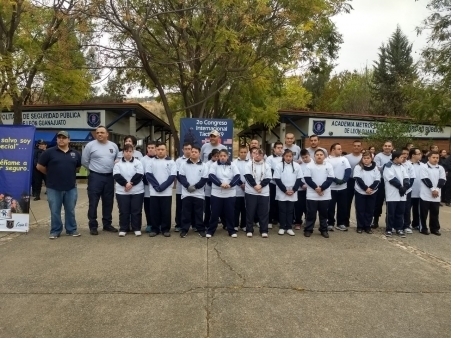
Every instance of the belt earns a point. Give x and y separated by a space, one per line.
103 174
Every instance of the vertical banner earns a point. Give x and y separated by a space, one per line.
197 132
16 167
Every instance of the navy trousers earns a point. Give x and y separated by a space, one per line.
431 208
350 191
286 213
240 212
161 208
300 207
314 207
379 201
224 207
100 186
192 212
364 210
178 210
407 208
207 211
257 205
415 206
130 211
147 210
395 215
338 198
273 206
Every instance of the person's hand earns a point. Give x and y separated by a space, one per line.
243 186
318 189
304 187
402 191
191 188
369 191
258 187
290 192
128 186
224 185
157 188
435 193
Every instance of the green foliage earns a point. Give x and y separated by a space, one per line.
391 130
393 71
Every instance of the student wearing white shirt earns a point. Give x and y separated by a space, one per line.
150 155
212 158
192 176
367 178
381 159
161 173
318 176
257 176
396 183
240 203
288 176
290 145
314 146
272 162
224 176
300 207
433 177
354 159
130 139
342 172
412 178
415 156
128 174
178 189
253 144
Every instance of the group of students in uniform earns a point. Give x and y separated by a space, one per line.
279 189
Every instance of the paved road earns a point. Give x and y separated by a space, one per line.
350 285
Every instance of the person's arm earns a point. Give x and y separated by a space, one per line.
183 181
86 156
442 178
235 180
41 168
118 176
326 184
136 179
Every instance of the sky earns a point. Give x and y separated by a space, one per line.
371 23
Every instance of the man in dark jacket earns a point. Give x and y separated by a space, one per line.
37 175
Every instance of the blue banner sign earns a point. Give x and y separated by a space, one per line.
16 167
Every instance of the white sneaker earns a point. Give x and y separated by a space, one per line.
208 235
281 232
269 226
341 227
122 234
330 228
408 231
235 228
264 235
249 234
137 233
234 235
290 232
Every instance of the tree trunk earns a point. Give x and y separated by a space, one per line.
17 107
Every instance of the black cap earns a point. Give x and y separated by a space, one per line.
42 142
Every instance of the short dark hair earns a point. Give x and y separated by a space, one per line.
151 143
314 135
432 146
304 152
186 144
127 147
225 151
395 154
333 146
194 147
412 152
277 143
433 153
320 150
159 144
357 141
213 153
133 138
102 127
243 146
405 149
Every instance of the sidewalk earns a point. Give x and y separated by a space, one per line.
349 285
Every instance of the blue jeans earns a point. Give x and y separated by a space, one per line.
56 199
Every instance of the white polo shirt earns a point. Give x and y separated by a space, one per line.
225 173
272 161
241 165
410 172
339 164
208 186
178 164
382 159
288 174
145 160
417 182
259 171
161 169
353 161
390 172
434 173
319 174
193 172
367 176
295 149
128 169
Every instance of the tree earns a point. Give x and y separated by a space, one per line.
40 53
204 50
398 132
394 70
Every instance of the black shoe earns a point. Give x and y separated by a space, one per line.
177 229
374 226
152 234
425 232
359 231
110 229
437 233
201 233
183 234
307 233
325 234
401 233
368 231
93 232
37 198
167 234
